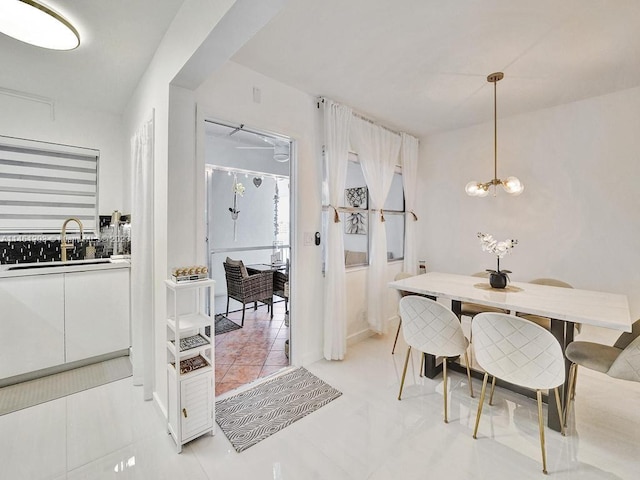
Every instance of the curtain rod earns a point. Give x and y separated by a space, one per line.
363 117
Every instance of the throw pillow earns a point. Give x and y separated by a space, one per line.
243 269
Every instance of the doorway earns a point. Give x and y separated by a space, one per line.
248 220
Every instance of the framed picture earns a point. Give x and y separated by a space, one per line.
356 197
356 222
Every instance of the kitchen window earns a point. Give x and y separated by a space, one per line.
42 184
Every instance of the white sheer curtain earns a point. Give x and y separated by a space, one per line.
378 150
142 257
337 120
409 162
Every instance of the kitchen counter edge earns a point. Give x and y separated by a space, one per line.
71 267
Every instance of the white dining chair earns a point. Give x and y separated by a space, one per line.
432 328
401 293
522 353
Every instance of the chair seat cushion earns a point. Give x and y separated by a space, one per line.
595 356
473 309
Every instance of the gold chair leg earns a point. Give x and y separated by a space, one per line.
571 385
575 379
404 372
444 376
541 425
484 388
493 388
422 354
466 360
560 416
393 350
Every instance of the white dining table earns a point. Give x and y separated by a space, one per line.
564 306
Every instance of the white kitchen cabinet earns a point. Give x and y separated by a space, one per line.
31 323
96 313
190 361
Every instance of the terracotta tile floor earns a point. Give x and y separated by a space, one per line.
254 351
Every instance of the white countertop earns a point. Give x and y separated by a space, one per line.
602 309
47 268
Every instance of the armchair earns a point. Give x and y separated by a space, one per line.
280 279
246 288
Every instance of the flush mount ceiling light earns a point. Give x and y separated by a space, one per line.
34 23
281 152
511 185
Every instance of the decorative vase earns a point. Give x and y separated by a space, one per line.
498 279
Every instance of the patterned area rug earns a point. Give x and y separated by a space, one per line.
224 325
33 392
253 415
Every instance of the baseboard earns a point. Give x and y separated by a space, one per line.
394 319
160 406
312 357
45 372
352 339
366 333
359 336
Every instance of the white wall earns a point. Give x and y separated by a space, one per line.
191 26
77 126
578 219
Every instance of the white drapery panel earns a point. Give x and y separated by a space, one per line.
409 162
337 121
142 257
378 150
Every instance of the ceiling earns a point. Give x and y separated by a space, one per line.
421 65
417 65
118 40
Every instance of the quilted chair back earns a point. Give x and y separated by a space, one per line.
517 351
431 327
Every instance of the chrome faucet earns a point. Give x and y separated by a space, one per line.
63 237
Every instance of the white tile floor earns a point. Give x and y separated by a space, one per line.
109 432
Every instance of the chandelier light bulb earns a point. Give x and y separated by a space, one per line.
472 188
513 186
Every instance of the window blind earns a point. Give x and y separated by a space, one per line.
42 184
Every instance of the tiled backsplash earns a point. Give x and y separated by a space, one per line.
27 251
17 250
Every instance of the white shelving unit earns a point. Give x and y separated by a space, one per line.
190 402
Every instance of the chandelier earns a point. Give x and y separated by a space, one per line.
510 184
